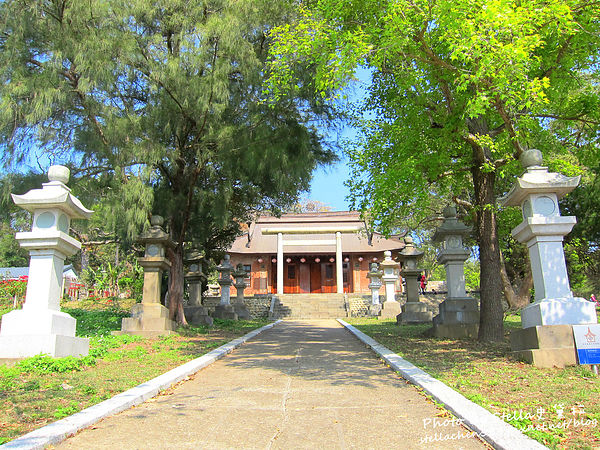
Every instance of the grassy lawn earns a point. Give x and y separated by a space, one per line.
558 407
41 389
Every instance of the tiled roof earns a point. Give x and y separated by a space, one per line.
263 237
12 273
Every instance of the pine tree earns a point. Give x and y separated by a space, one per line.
167 98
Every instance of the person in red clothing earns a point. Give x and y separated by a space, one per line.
423 283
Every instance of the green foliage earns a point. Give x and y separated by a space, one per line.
97 322
459 89
64 411
11 254
100 345
472 274
47 364
158 108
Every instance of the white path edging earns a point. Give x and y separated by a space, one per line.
489 427
60 430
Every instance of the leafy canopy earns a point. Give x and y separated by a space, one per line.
451 79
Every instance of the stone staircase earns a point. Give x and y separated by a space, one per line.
309 306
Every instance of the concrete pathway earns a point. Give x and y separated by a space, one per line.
298 385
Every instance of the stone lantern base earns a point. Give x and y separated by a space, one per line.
414 312
458 318
198 315
546 339
225 311
375 309
147 320
30 332
390 309
241 310
559 311
545 346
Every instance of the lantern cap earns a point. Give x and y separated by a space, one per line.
537 180
450 226
54 194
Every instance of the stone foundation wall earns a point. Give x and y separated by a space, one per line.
258 306
359 304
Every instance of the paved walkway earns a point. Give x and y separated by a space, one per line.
298 385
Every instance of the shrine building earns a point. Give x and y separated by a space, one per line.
325 252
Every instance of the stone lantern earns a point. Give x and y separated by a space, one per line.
391 307
413 311
194 277
150 318
195 313
41 327
238 303
458 314
543 341
224 310
375 284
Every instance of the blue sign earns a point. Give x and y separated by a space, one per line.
587 343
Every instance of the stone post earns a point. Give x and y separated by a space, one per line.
225 310
238 304
413 311
375 284
546 338
150 318
195 313
458 314
41 327
391 307
194 277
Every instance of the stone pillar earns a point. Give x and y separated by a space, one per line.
238 304
339 269
458 314
374 276
195 313
41 327
194 277
546 338
390 308
225 310
150 318
413 311
279 263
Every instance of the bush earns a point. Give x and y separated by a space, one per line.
46 364
11 290
97 322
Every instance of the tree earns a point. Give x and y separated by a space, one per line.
14 219
166 98
459 89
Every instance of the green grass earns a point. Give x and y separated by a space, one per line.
525 396
43 389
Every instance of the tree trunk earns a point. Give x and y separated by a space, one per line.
85 259
519 298
491 314
176 280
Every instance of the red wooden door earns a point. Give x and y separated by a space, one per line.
315 278
348 284
328 278
290 279
304 278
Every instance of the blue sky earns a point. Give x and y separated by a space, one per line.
328 184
